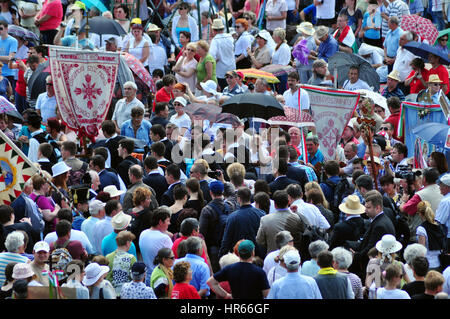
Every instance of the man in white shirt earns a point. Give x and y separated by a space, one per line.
122 110
222 49
325 12
404 57
443 210
307 212
291 95
354 82
46 102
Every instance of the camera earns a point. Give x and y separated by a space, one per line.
215 174
405 172
251 86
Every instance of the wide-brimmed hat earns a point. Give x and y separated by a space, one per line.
394 75
93 273
22 271
217 24
120 221
60 168
209 86
306 28
434 78
113 191
352 206
375 159
263 35
388 244
153 27
321 31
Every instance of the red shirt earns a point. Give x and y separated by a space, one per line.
74 247
394 119
416 85
55 10
442 72
184 291
162 96
175 248
21 86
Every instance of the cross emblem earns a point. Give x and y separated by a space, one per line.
89 91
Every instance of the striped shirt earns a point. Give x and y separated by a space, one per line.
397 8
5 259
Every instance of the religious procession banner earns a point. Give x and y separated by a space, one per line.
331 110
411 116
15 170
83 83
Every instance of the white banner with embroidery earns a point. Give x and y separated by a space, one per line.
84 83
331 110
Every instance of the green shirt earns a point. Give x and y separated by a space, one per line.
201 69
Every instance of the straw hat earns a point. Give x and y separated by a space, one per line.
113 191
218 24
394 75
306 28
153 27
388 244
321 31
120 221
375 159
352 206
93 273
434 78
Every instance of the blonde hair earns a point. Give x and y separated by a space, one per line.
281 33
314 185
191 45
140 195
203 44
283 251
425 210
236 168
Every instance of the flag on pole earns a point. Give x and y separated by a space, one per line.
15 169
331 110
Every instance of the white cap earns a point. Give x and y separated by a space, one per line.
41 246
96 206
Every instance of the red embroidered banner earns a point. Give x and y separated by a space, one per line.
83 83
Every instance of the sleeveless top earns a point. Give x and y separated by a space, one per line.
137 51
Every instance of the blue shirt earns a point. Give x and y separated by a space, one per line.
8 46
328 48
109 245
327 190
200 271
311 10
143 132
71 40
391 42
371 33
415 6
294 286
313 160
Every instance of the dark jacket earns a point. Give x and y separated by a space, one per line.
167 197
108 178
280 183
158 183
351 229
124 166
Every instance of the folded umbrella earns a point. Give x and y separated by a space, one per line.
250 105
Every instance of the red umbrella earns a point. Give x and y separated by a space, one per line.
423 27
292 118
139 69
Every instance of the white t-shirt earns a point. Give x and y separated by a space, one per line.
326 9
150 242
383 293
275 9
358 85
182 121
282 55
291 100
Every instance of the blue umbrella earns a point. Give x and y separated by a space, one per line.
423 50
433 133
95 3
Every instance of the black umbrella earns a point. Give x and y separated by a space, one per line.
249 105
342 61
102 25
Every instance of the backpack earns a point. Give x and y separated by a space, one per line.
76 177
60 257
222 217
341 189
55 157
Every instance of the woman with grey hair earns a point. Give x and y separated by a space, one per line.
342 259
412 251
310 267
15 244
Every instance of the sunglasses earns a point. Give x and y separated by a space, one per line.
171 257
238 26
443 39
176 104
384 128
49 84
228 76
191 50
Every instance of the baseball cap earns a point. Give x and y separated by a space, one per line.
138 268
291 258
246 247
216 187
41 246
112 40
96 206
445 179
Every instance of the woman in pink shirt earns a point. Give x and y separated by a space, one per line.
49 19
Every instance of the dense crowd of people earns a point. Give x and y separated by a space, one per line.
166 204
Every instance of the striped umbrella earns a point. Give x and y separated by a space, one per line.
422 26
258 74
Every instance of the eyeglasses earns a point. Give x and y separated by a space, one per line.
238 26
191 50
49 84
435 84
171 257
228 76
384 128
443 39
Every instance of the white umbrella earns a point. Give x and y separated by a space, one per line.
377 98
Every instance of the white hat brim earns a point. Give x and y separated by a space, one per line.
397 247
91 281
